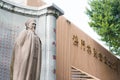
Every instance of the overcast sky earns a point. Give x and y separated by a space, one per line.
75 12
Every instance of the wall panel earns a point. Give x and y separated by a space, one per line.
75 48
63 52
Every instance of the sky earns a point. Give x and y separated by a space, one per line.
74 11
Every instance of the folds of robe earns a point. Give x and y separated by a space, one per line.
26 58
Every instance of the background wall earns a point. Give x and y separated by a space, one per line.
78 50
63 49
11 24
12 20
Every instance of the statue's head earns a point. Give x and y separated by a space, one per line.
30 24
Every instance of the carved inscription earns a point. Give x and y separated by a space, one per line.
94 52
75 40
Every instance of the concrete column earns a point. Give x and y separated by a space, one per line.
51 47
51 18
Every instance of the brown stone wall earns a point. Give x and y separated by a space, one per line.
75 48
35 3
63 49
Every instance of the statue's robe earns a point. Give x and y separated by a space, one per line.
26 59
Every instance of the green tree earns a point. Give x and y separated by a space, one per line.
105 20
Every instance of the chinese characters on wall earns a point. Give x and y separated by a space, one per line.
93 51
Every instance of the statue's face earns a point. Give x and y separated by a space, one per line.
32 25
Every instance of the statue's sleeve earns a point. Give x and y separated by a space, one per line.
19 41
21 38
12 64
39 61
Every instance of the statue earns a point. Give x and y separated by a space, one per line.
26 59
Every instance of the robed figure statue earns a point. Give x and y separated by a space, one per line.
26 58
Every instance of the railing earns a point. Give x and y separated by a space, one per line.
79 75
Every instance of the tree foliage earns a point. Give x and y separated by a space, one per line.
105 20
